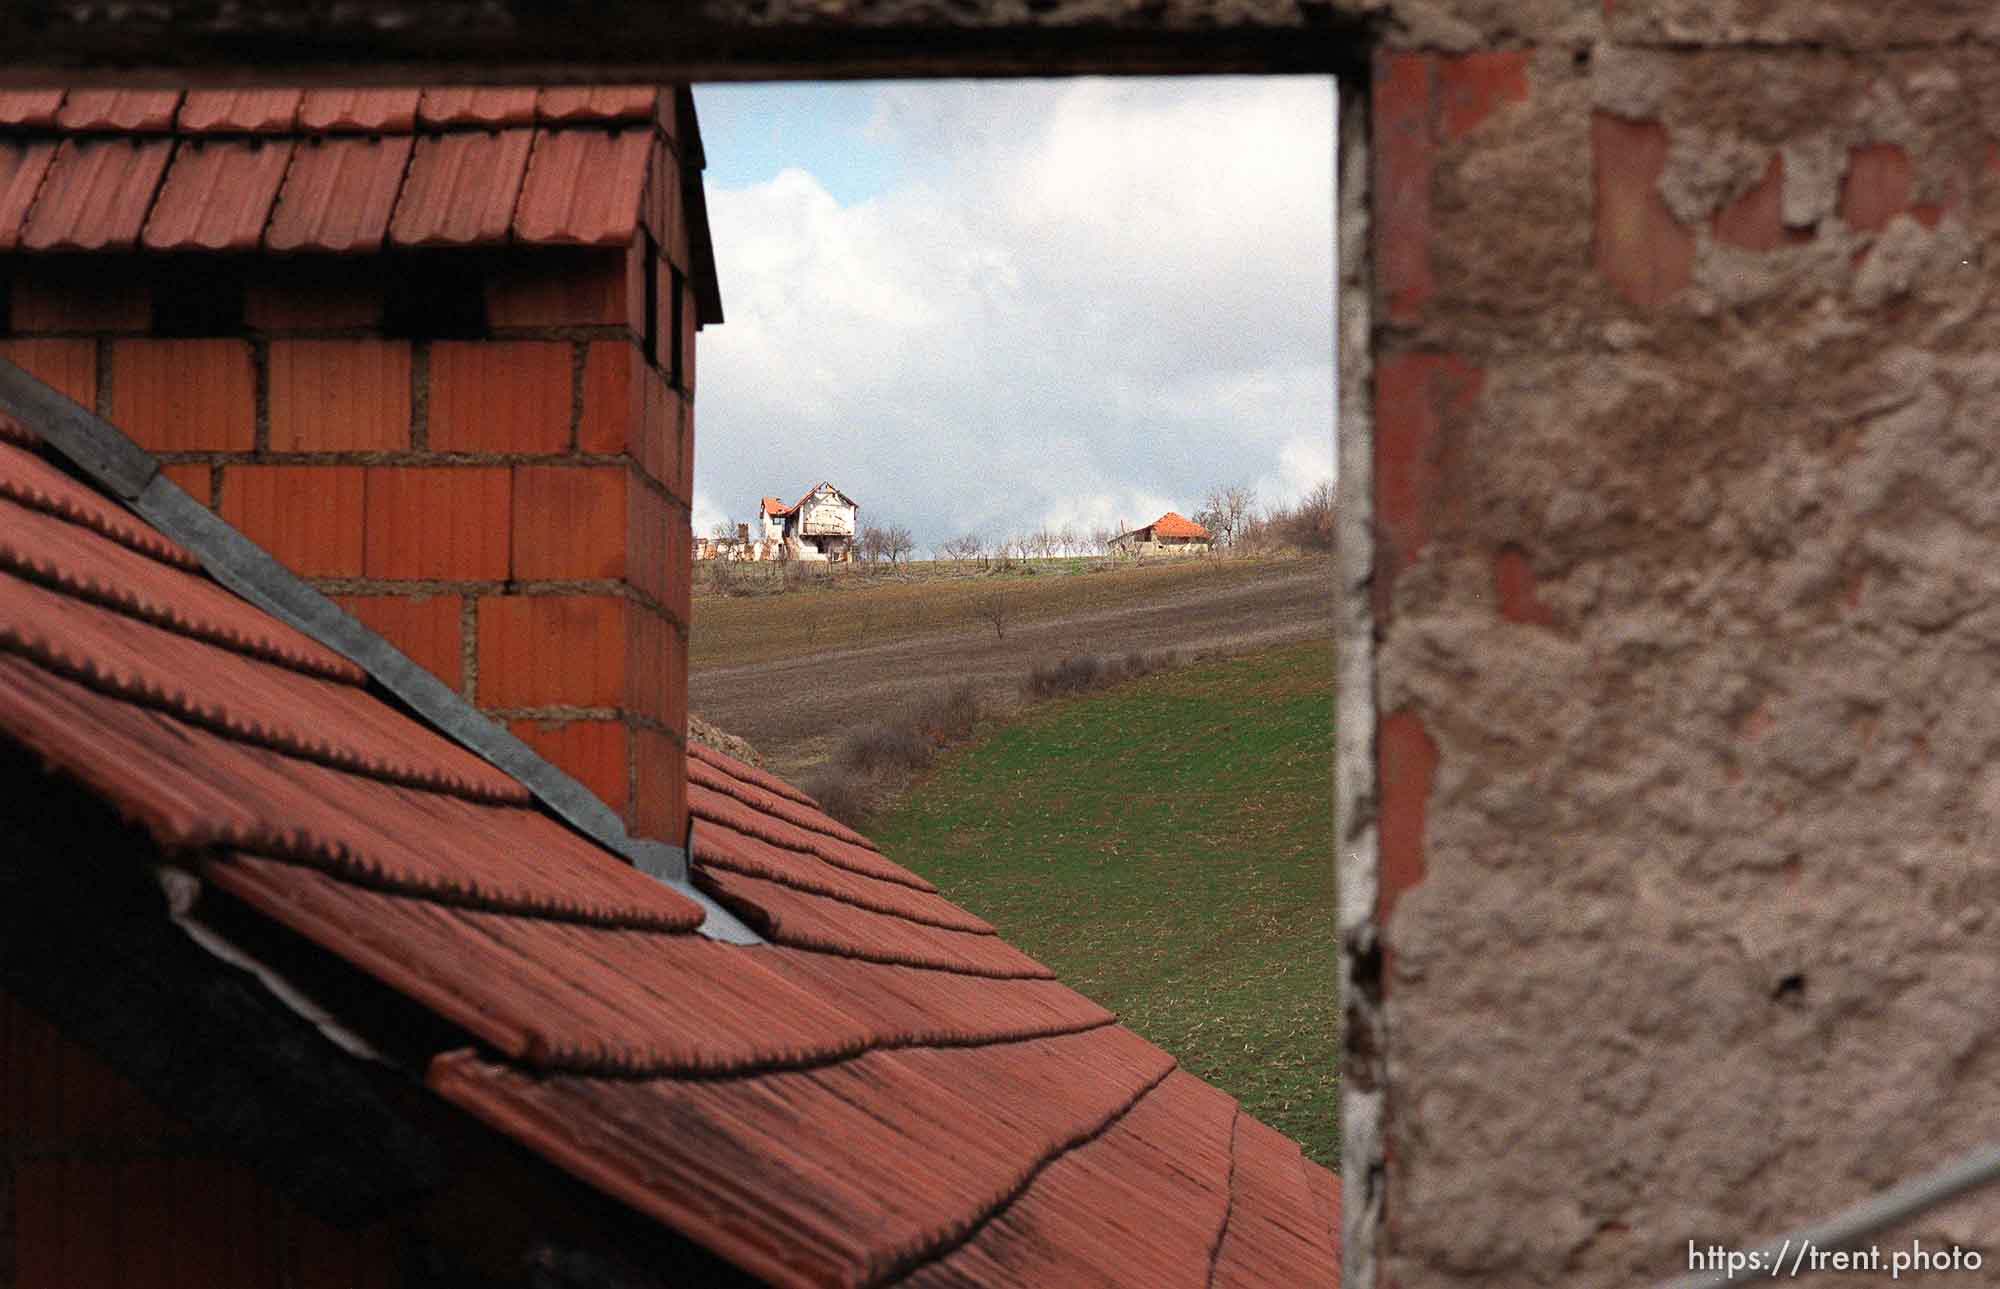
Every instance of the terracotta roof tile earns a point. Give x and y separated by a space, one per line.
124 111
218 195
845 1175
885 1092
461 189
30 107
558 996
1163 1169
23 165
29 481
803 920
338 195
750 774
1275 1233
721 847
240 111
96 195
583 187
597 103
80 564
741 811
1173 524
385 111
1324 1184
491 107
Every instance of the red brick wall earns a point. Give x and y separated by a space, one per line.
511 511
100 1189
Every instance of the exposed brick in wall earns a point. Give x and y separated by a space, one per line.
1683 405
100 1189
511 511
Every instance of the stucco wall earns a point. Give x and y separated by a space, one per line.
1687 475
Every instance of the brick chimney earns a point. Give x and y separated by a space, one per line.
433 349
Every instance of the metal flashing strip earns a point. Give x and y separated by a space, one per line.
114 462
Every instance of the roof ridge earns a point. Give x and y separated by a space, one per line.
49 655
130 604
945 1247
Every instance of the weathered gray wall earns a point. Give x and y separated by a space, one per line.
1688 485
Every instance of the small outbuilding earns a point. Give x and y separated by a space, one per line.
1170 534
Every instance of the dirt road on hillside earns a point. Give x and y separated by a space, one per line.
795 711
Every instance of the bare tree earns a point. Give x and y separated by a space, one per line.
962 548
897 542
1100 539
871 543
994 610
1312 519
1225 511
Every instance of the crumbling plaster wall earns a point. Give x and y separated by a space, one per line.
1687 543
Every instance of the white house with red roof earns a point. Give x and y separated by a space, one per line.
817 527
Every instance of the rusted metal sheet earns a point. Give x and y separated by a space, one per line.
217 195
339 194
461 189
240 111
96 195
583 187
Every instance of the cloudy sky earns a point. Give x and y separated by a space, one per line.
988 306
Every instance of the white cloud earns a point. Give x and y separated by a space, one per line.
1092 299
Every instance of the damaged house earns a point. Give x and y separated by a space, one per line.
1170 534
366 917
818 526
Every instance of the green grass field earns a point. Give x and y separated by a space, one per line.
1167 847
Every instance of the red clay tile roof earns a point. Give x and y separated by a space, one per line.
332 170
884 1093
772 506
1175 524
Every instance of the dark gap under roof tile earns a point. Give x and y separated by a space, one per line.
77 563
372 111
339 194
721 847
559 996
1162 1169
940 1008
838 1175
804 921
191 789
217 195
